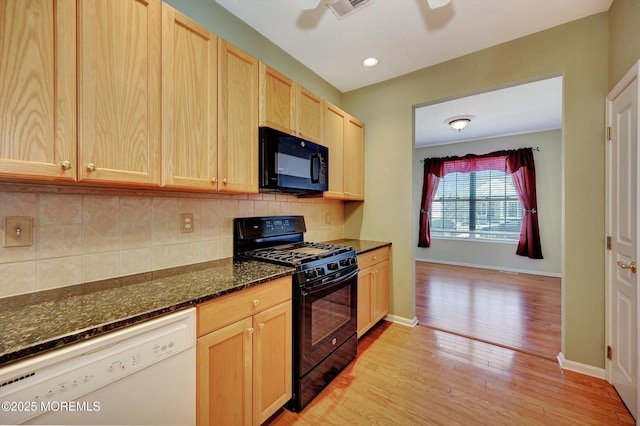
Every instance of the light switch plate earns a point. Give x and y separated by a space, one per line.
18 231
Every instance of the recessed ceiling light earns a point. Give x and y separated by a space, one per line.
370 62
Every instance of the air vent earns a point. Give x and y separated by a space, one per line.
17 379
344 8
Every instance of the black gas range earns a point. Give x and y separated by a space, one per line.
324 297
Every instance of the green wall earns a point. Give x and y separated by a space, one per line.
624 38
578 50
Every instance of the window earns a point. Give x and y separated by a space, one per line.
479 205
496 215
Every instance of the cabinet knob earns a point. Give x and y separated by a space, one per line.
214 180
255 302
91 167
66 165
261 326
250 330
224 181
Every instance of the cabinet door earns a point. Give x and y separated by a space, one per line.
365 318
224 381
333 137
309 115
37 89
354 155
276 100
189 102
119 91
380 291
237 120
272 368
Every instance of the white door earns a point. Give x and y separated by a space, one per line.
622 228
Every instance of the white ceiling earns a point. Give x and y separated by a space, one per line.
525 108
406 35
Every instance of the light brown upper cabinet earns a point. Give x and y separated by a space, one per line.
354 156
189 103
289 107
344 136
276 100
309 117
237 120
333 137
38 89
119 70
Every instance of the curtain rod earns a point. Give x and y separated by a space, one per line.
537 148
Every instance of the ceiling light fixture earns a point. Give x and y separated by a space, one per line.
370 62
459 122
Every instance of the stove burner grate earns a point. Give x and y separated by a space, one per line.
297 253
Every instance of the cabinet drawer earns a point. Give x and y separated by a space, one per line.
372 257
233 307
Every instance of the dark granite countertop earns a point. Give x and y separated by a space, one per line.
37 322
360 246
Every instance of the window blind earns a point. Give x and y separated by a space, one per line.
477 205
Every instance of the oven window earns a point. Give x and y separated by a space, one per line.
329 314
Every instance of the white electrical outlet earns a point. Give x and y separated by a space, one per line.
187 224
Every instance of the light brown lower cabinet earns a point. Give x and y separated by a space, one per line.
244 355
373 288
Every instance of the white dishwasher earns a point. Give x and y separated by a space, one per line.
141 375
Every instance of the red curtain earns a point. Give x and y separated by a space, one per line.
519 163
523 173
429 188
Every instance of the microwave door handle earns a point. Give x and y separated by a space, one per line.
315 167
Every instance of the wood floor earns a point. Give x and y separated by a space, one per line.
421 376
518 311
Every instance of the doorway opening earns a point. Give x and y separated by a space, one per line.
480 288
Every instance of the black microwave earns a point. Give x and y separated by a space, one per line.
291 164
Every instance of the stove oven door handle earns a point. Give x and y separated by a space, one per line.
334 283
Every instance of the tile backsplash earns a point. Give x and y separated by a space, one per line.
82 235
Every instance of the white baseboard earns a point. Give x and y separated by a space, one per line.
578 367
402 320
493 268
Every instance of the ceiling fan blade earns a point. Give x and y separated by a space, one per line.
434 4
309 4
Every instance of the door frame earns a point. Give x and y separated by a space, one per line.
624 82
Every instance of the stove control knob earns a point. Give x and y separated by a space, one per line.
320 271
333 266
345 261
310 274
